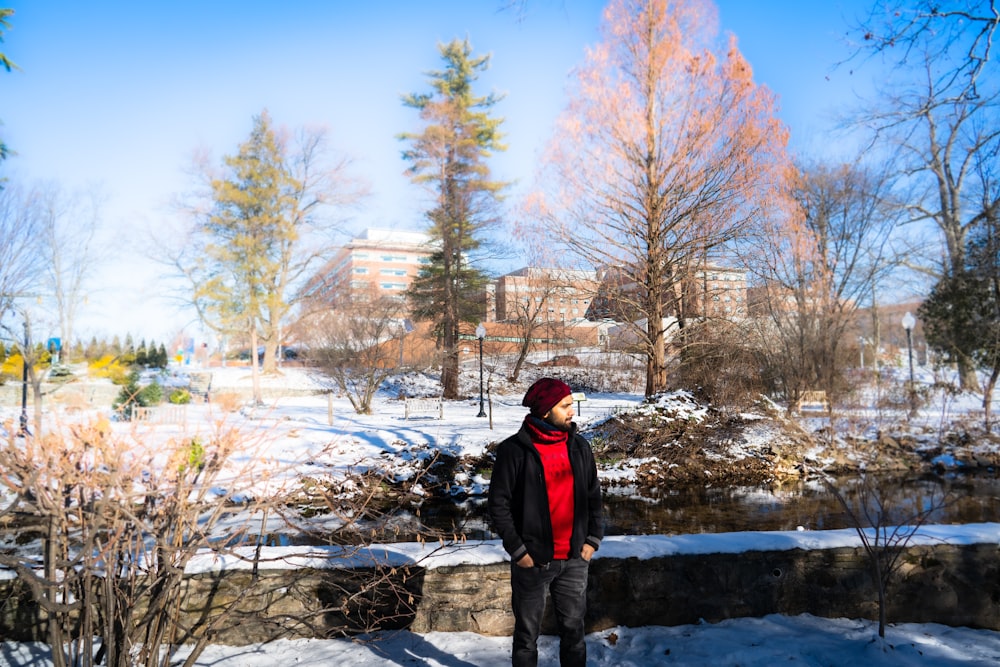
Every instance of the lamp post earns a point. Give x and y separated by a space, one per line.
481 334
24 382
908 323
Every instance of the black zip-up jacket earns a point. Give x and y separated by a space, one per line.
518 502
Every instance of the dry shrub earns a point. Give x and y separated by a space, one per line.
71 401
86 503
227 401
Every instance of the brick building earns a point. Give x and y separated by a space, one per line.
709 292
548 295
380 261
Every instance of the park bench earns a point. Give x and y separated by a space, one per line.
423 406
813 401
161 414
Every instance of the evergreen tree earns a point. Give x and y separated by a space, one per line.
249 237
449 157
127 354
961 316
130 397
7 65
141 356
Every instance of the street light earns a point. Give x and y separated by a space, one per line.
481 334
908 323
24 382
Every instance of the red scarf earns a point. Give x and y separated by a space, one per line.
551 446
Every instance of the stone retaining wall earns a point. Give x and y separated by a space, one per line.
87 395
950 584
74 395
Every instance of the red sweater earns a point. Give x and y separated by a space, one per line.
551 446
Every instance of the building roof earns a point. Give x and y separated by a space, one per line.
391 237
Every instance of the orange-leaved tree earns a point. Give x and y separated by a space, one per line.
665 154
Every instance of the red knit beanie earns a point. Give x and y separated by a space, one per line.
545 394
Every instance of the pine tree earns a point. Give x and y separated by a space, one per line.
7 65
250 242
141 356
449 157
93 350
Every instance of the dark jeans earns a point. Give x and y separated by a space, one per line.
566 581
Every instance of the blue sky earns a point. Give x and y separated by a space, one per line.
118 95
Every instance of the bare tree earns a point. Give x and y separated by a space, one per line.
961 315
885 530
938 117
664 155
22 270
958 34
358 344
821 262
529 298
21 258
261 227
70 223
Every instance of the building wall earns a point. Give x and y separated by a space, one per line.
714 292
384 262
551 294
722 292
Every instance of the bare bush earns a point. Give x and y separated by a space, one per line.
885 529
107 526
358 346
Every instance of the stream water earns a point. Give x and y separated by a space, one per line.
952 498
811 505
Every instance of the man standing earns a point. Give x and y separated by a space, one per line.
545 504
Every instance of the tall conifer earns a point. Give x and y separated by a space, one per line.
448 156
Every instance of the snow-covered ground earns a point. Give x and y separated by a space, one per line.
745 642
309 435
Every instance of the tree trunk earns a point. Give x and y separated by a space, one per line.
254 371
967 374
522 354
449 374
988 395
270 361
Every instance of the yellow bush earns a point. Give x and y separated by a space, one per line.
12 366
109 366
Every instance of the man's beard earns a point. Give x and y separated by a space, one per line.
566 429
